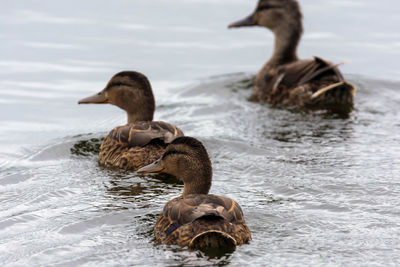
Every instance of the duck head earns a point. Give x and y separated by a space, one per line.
130 91
273 14
186 159
283 18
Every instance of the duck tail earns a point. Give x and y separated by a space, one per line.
212 239
210 234
337 96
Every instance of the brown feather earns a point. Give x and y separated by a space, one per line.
301 79
135 145
186 217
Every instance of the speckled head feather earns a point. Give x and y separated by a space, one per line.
291 5
188 160
191 142
130 91
130 78
279 14
284 19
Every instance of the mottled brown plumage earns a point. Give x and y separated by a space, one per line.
287 80
184 218
196 219
141 141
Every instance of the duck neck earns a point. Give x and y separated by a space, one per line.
135 117
139 104
286 42
201 185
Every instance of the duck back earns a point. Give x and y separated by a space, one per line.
311 83
201 221
135 145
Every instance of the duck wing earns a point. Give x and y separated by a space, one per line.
185 210
142 133
304 71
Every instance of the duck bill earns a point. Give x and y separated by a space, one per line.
99 98
246 22
155 167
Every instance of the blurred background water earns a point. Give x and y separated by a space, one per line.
315 189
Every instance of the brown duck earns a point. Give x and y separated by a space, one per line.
142 140
287 80
196 219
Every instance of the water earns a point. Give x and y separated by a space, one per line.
315 189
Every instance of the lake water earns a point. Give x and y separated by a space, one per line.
315 189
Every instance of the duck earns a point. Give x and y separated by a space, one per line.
285 79
141 140
196 219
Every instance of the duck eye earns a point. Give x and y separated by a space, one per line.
173 151
115 84
170 152
265 7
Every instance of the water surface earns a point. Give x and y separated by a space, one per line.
315 189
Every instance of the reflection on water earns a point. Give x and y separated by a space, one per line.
141 190
87 147
314 129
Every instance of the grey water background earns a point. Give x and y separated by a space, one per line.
315 189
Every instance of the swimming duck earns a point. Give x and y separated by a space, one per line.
142 140
196 219
287 80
